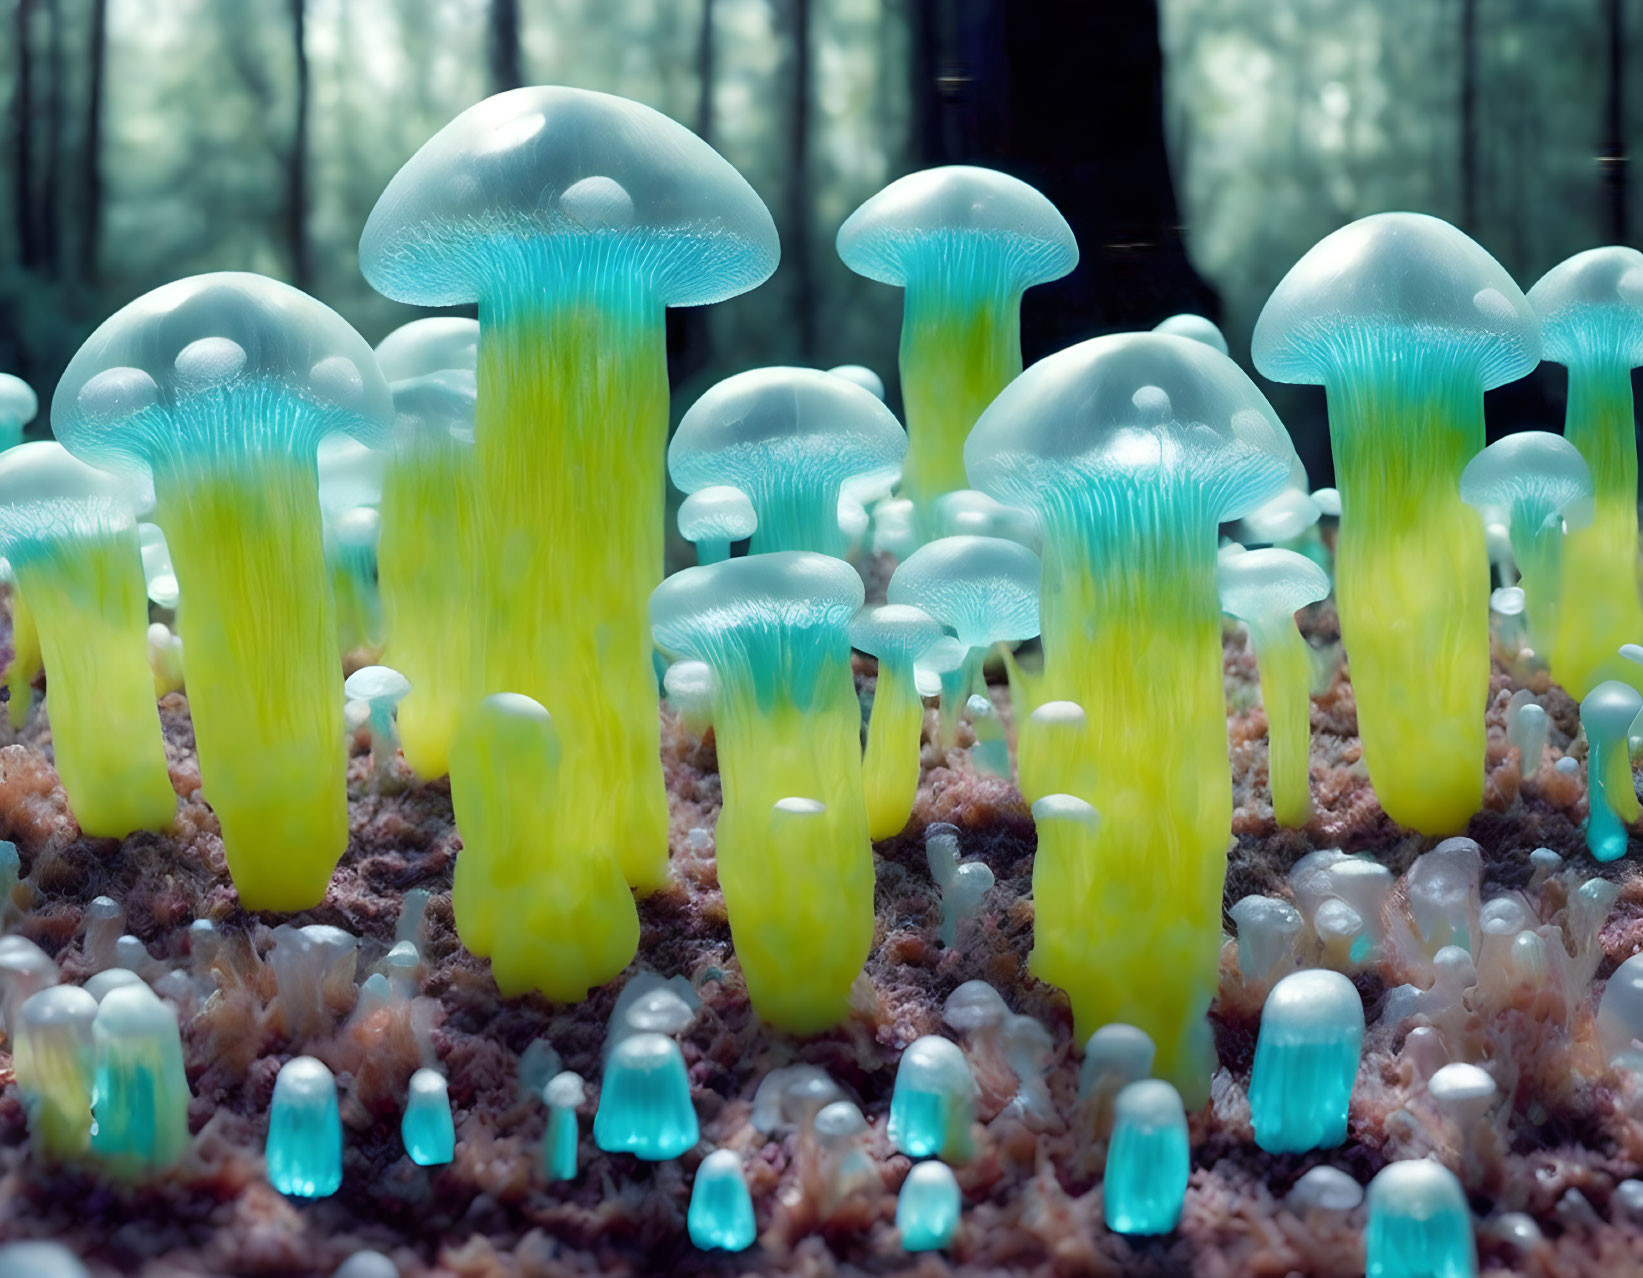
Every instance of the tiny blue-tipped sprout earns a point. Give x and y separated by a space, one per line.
1306 1060
305 1131
40 1260
564 1095
52 1062
1265 589
690 686
721 1209
1419 1224
644 1105
367 1264
862 376
789 438
985 590
898 635
713 517
1324 1189
1527 727
1607 714
933 1104
928 1207
1268 930
18 405
1147 1161
1545 487
382 688
140 1093
964 885
427 1129
1196 327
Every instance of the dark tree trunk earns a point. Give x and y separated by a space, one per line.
1070 99
22 136
704 74
502 46
91 153
1616 180
48 228
796 236
296 165
1469 116
687 332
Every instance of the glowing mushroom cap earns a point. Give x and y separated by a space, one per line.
985 589
1261 586
566 180
18 405
1591 308
221 365
717 513
1533 469
1196 327
48 496
1608 710
894 633
437 344
1396 282
1128 410
380 686
862 376
958 217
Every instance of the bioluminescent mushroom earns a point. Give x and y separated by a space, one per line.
1306 1060
934 1102
139 1095
1268 929
928 1207
1147 1160
711 518
52 1060
551 914
964 243
1545 487
70 536
1324 1189
1132 449
967 512
789 438
305 1131
775 630
426 1128
1264 589
862 376
964 885
26 662
1114 1057
1419 1223
25 969
1591 321
985 590
1607 714
721 1210
1405 322
221 386
563 1095
18 405
688 686
1527 727
429 562
644 1103
1053 753
574 219
1196 327
898 635
382 688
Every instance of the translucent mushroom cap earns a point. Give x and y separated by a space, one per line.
985 589
381 686
1195 327
570 183
1263 586
1608 710
894 632
1282 517
18 403
437 344
48 496
1417 1188
214 366
958 217
1533 469
1591 308
771 427
1314 1005
975 1005
1132 412
862 376
350 475
1403 283
717 513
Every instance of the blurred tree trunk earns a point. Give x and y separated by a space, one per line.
296 162
704 74
1469 116
48 227
502 46
91 146
688 338
1616 179
1070 99
796 234
22 133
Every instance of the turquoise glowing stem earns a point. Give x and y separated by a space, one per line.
1611 799
795 513
1412 581
569 444
1536 531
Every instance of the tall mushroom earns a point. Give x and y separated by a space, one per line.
964 243
1132 449
1405 322
574 219
221 386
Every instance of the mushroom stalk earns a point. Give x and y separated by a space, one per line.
26 661
1412 582
261 637
1286 676
889 769
569 442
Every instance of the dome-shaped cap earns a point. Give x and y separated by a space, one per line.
18 403
46 495
432 345
1125 409
1003 225
577 175
1591 308
1400 283
719 512
984 588
208 364
894 632
1318 1000
1196 327
862 376
1532 467
1269 583
789 590
1609 709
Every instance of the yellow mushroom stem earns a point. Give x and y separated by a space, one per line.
890 766
1285 666
26 662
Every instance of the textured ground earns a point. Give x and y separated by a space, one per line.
1032 1198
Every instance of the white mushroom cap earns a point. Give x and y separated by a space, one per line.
1533 469
862 376
18 403
1196 327
48 495
1272 584
717 513
983 588
1591 308
379 685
